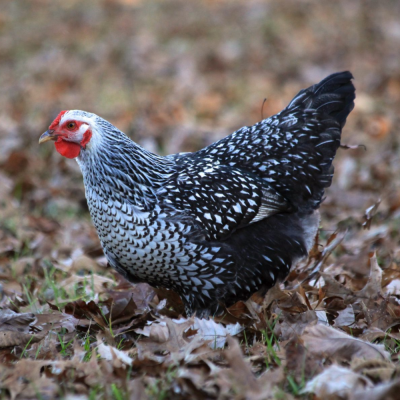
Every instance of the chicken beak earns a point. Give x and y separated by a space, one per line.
48 135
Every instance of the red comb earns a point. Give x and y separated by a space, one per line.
55 123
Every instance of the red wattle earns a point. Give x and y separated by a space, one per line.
86 138
67 149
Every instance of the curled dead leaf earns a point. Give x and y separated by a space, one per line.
112 353
384 391
339 346
376 370
346 317
336 382
12 338
241 370
374 284
290 324
12 321
369 214
159 333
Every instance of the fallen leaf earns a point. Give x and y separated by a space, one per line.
376 370
290 325
240 369
337 345
12 338
173 346
142 295
216 334
336 382
384 391
369 214
346 317
374 284
111 353
12 321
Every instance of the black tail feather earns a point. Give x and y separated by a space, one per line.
321 112
333 96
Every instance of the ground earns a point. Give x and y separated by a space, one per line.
175 76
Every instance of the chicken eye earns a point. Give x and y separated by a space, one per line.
71 125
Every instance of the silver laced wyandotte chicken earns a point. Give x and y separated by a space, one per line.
224 222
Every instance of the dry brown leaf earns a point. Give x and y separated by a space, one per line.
378 126
239 312
80 309
83 262
332 288
42 224
216 334
20 265
290 325
12 321
276 294
352 146
175 348
113 354
121 307
240 369
294 303
374 284
55 321
92 284
300 363
333 242
29 371
12 338
376 370
143 294
172 301
137 390
369 214
159 333
40 388
346 317
336 383
337 345
384 391
392 288
16 329
240 378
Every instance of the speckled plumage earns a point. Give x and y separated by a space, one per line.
219 224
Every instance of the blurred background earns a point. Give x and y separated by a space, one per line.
177 75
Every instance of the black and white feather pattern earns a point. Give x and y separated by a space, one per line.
222 223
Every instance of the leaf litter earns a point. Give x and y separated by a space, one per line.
71 327
327 336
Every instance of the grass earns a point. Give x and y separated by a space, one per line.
64 345
94 392
32 303
294 387
38 350
25 348
270 341
117 393
51 290
58 293
392 345
87 346
245 340
161 387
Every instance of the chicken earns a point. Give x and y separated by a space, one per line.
219 224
